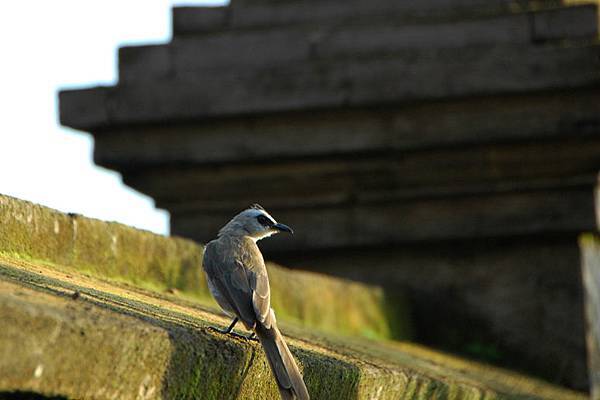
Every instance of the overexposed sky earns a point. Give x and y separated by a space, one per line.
47 45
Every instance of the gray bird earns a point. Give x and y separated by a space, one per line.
237 278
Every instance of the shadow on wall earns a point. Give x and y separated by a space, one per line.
514 302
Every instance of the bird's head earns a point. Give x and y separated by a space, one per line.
254 222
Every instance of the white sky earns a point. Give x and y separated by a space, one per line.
47 45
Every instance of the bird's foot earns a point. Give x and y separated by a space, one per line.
229 331
222 331
226 330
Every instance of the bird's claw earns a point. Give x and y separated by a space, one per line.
222 331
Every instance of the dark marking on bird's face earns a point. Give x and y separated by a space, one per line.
254 223
265 221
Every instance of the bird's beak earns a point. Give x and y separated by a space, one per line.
283 228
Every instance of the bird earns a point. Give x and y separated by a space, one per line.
237 279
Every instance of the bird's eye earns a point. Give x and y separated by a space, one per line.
263 220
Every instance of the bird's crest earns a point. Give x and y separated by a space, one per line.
257 206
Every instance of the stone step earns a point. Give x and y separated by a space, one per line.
271 47
404 76
252 14
482 297
531 118
412 175
117 252
76 337
386 219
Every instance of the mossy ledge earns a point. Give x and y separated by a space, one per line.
121 253
70 335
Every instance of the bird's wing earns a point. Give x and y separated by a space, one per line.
229 276
261 293
256 273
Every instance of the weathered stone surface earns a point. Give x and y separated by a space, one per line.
251 13
530 118
590 266
141 62
129 344
384 139
409 175
88 105
392 220
104 248
278 46
568 22
199 19
188 21
56 346
339 306
407 75
515 302
256 13
115 251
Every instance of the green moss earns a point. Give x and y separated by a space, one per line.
205 366
337 305
33 230
589 239
154 262
104 248
115 341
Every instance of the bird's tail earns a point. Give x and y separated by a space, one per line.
288 377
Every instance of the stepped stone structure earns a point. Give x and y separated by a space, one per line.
590 268
444 149
96 310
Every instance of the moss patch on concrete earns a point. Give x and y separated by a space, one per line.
108 249
121 253
589 240
338 305
71 335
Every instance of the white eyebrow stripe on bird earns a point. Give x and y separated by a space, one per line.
255 213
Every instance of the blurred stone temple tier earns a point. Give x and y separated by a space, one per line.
444 149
